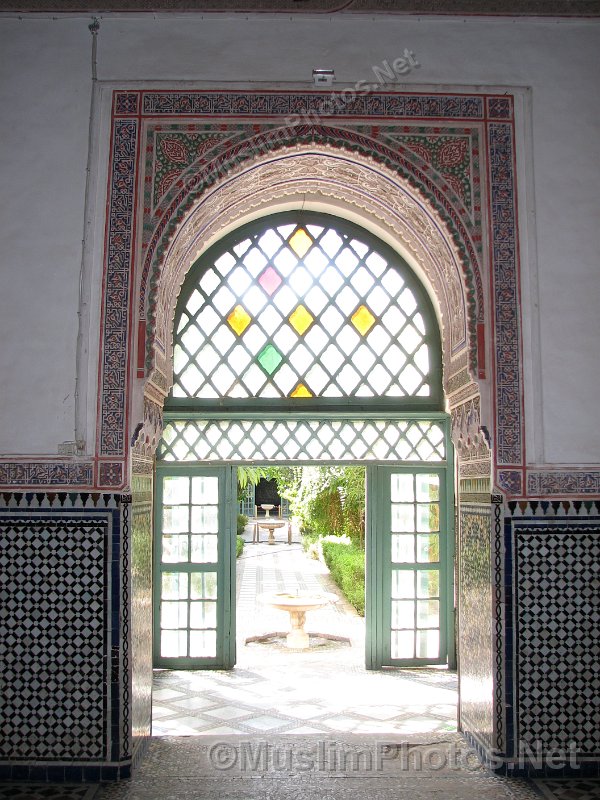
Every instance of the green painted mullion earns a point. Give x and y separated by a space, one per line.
386 415
450 554
372 569
228 571
187 566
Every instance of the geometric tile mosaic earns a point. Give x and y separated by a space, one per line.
569 789
557 634
44 791
52 627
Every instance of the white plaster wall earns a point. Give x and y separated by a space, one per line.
557 59
44 97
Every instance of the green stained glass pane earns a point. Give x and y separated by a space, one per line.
270 358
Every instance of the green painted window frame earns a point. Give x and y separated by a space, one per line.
225 567
378 569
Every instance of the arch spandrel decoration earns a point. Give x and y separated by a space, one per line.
353 186
417 161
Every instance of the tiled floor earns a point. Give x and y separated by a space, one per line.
564 789
317 691
293 767
49 791
185 769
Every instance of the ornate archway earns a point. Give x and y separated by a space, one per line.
406 185
358 188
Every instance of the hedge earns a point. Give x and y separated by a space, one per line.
346 563
239 546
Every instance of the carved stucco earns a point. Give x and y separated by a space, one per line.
325 179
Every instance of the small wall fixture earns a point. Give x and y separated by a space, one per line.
323 77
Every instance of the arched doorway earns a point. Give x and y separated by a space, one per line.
302 338
355 187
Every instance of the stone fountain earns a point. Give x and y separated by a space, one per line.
297 605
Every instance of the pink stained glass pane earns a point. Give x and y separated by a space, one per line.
270 280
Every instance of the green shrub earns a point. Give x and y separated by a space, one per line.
308 538
242 521
239 546
346 563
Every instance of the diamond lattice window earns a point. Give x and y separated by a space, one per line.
303 440
303 311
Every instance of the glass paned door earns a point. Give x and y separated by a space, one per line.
411 547
194 575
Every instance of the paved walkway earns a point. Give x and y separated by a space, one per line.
316 691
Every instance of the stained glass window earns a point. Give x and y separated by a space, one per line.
298 309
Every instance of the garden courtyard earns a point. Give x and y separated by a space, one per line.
275 690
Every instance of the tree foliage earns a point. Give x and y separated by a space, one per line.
327 500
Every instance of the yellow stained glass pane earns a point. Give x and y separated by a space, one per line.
239 319
363 320
300 242
301 319
301 391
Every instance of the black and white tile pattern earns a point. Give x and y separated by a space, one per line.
557 635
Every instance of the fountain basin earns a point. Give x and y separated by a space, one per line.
267 508
297 605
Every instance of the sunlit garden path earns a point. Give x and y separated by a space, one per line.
320 690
